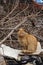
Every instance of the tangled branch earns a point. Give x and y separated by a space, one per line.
17 2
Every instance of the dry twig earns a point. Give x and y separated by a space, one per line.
25 19
17 2
17 14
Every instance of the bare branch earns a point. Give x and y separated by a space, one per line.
17 14
17 2
25 19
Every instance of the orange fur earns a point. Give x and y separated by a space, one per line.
28 41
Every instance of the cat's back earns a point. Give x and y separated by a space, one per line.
32 42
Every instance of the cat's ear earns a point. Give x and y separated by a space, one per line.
21 29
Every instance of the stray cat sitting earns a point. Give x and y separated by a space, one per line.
28 41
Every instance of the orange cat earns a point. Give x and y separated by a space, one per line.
28 41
